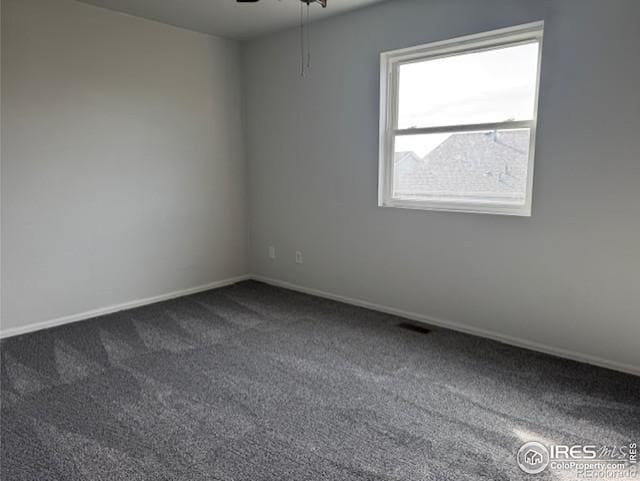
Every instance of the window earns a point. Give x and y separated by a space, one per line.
458 123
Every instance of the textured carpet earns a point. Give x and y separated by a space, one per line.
253 382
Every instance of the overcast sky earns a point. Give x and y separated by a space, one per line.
490 86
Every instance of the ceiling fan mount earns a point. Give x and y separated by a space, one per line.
308 2
321 2
305 38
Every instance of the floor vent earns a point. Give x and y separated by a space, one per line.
414 327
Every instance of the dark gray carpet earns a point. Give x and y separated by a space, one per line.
253 383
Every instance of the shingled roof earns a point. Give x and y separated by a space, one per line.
488 164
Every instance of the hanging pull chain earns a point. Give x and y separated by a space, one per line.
301 39
308 38
305 38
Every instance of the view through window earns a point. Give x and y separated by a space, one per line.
459 123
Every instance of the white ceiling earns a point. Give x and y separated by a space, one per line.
226 18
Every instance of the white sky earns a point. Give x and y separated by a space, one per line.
490 86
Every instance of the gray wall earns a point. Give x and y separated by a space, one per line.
122 165
567 278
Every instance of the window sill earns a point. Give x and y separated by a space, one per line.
464 207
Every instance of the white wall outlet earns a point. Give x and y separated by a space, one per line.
272 253
299 259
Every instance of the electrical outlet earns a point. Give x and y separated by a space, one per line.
299 259
272 253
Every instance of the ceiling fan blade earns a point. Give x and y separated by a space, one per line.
321 2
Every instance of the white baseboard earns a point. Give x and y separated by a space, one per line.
119 307
514 341
454 326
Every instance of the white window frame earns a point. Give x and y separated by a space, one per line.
389 82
